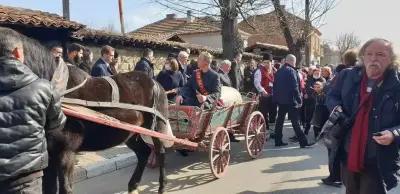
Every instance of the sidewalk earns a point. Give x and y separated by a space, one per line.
92 164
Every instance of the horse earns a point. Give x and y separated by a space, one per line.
80 135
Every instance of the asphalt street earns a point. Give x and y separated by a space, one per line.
284 170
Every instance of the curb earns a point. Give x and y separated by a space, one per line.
104 167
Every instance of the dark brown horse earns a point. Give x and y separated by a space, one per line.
79 135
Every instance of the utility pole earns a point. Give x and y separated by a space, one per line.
121 16
308 30
65 4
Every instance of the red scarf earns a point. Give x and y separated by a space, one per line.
359 132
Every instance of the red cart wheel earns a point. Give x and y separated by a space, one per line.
219 149
256 134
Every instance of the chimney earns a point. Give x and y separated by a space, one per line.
171 16
189 16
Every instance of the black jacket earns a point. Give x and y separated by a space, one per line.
28 107
286 88
145 66
236 76
385 115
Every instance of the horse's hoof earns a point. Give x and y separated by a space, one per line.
134 192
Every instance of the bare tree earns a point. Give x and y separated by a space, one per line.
226 11
347 41
313 12
110 28
331 55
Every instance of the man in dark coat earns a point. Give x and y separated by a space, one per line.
183 60
236 74
28 108
369 97
145 65
224 68
102 66
203 88
286 93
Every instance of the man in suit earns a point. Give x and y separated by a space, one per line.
102 66
224 69
286 93
145 64
204 87
236 74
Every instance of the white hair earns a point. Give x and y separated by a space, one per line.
227 62
183 54
290 59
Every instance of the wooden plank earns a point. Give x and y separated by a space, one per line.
97 117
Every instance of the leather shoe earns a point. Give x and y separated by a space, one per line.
281 144
329 182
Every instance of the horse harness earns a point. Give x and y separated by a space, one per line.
115 97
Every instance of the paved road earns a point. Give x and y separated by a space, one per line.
279 171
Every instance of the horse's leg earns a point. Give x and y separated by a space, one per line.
50 175
142 151
160 155
65 174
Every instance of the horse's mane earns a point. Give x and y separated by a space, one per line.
38 58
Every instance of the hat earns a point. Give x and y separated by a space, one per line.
268 57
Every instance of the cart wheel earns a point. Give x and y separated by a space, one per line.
220 147
256 134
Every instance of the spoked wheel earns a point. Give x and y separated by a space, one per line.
219 149
256 134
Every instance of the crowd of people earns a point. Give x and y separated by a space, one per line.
365 90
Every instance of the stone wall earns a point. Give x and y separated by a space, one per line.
130 56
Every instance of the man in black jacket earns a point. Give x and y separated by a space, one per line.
28 108
235 74
369 96
287 95
145 65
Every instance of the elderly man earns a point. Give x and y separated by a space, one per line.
183 59
369 96
29 106
204 87
236 74
145 64
102 66
286 93
224 69
74 54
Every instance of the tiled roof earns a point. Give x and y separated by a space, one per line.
168 27
102 37
34 18
267 46
267 28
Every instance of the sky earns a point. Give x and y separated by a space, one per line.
365 18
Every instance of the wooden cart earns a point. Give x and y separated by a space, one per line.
211 128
